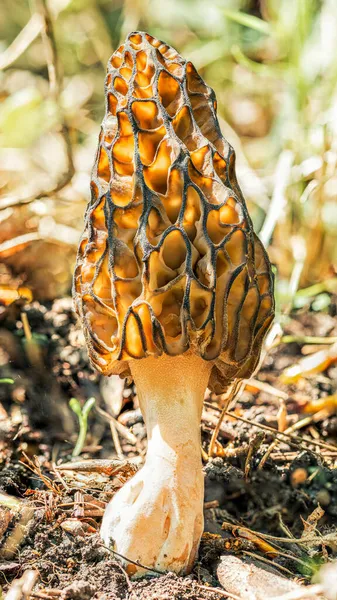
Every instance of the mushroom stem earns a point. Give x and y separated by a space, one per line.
157 517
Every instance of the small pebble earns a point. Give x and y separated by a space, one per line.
323 498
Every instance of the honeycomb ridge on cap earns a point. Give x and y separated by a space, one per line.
168 261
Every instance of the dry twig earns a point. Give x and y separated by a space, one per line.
56 86
292 440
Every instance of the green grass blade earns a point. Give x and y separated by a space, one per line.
248 21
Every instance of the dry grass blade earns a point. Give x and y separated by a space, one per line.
235 389
26 36
308 339
10 247
279 200
115 439
271 563
255 385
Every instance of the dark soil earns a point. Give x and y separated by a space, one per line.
35 421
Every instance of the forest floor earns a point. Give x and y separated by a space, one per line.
276 512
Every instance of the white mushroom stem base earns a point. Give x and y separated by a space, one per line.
157 517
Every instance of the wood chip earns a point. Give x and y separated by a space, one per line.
249 580
21 588
24 512
77 528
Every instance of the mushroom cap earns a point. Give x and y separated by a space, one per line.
168 261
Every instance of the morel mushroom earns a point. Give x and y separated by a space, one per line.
172 285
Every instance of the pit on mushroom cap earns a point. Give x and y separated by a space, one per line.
171 283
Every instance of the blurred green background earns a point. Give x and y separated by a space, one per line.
273 66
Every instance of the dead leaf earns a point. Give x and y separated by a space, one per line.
310 524
310 365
